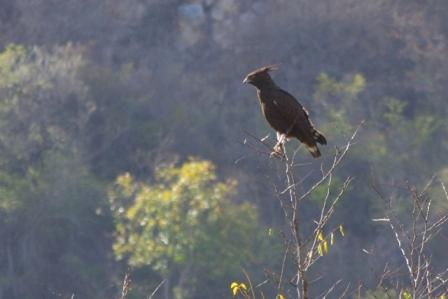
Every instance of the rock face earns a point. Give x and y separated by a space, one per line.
218 20
193 12
191 19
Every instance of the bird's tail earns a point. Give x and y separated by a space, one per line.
314 150
319 137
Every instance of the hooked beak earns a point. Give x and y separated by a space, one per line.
245 81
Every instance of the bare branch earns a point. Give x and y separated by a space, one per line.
283 267
125 286
413 237
303 242
331 289
403 251
156 289
336 161
444 190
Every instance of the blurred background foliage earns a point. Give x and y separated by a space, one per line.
184 226
102 102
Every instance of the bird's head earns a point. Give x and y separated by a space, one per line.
260 76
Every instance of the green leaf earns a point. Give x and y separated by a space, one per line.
320 237
319 249
325 247
341 230
406 295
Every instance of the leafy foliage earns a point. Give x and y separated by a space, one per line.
43 103
185 221
48 198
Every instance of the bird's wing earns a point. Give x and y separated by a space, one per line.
304 128
294 111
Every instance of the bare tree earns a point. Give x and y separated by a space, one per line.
413 231
305 244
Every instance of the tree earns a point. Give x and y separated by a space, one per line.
184 226
50 204
415 225
307 238
43 103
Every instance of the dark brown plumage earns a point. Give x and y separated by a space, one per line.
283 112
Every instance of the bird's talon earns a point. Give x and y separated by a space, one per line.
277 151
275 154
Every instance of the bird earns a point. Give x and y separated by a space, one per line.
283 112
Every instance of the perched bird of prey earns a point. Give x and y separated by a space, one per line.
283 112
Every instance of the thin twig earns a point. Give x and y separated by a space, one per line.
156 289
331 289
125 286
252 291
344 292
444 190
336 161
283 267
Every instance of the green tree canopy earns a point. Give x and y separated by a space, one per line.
184 222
